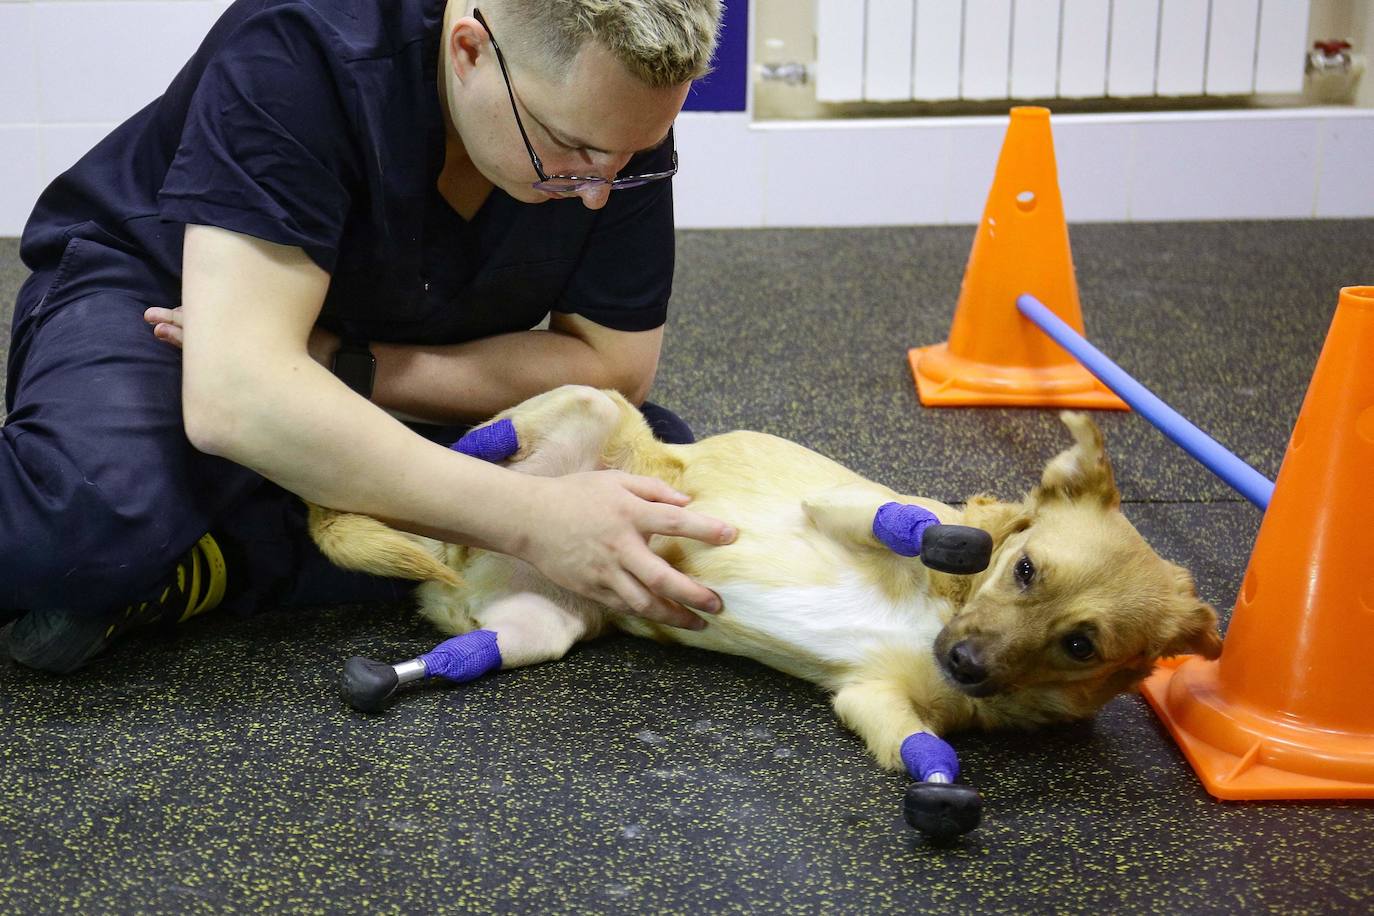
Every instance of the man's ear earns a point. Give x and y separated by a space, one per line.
1192 625
1081 472
467 41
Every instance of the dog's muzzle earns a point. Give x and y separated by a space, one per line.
964 666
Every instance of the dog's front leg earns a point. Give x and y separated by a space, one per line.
882 714
846 513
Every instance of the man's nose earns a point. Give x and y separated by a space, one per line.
595 197
609 165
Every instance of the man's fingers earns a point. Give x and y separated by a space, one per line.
654 490
630 595
166 324
669 584
677 522
671 519
170 333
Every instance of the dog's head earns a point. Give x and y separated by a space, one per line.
1075 606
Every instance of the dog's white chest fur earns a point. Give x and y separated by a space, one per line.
813 629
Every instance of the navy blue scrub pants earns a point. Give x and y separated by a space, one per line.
100 490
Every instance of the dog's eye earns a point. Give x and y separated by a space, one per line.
1024 571
1079 647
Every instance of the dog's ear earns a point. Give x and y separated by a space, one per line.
1192 625
1081 472
997 518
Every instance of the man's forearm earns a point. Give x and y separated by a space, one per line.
469 382
304 430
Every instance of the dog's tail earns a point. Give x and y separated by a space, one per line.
364 544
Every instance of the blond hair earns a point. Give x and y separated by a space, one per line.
662 43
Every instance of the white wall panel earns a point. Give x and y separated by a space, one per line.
1132 48
1271 164
839 50
722 179
1231 47
1282 45
939 38
1094 160
1083 49
891 175
1226 166
1034 48
887 55
1345 186
987 49
977 143
1182 47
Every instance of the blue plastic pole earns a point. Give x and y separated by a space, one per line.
1250 483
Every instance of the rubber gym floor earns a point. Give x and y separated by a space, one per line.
217 769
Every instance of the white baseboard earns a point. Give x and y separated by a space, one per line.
1299 163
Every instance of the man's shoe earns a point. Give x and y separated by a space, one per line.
61 641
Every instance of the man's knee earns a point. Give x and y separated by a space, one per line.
67 540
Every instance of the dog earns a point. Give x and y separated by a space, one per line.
1073 608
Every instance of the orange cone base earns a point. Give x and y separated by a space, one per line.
946 380
1240 754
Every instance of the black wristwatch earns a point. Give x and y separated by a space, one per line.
355 365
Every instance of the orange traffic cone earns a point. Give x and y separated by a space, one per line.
995 357
1288 710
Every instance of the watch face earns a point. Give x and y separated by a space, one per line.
356 369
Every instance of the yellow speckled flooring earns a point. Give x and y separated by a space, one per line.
217 770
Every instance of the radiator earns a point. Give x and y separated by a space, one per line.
932 50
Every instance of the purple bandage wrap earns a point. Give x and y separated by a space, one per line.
463 658
924 754
494 442
900 527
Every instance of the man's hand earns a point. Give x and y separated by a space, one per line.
166 325
591 536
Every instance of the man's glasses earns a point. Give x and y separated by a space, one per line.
564 184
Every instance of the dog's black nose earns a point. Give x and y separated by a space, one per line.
965 664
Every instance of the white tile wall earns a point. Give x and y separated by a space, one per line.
117 56
18 61
21 181
71 69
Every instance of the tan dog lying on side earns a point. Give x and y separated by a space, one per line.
1074 608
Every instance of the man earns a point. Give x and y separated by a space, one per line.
379 173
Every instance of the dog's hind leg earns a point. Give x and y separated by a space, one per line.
570 429
530 628
559 432
518 630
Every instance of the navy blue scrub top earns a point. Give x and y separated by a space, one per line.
317 123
